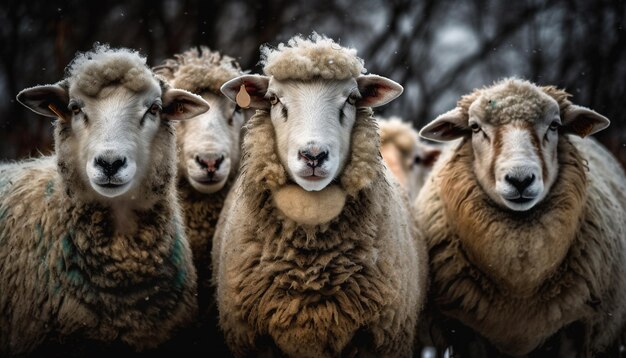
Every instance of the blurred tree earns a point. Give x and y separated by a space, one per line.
438 50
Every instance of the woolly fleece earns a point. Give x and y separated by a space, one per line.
353 284
308 58
93 70
519 278
199 69
66 275
310 207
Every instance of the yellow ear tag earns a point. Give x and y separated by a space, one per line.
56 111
243 98
180 109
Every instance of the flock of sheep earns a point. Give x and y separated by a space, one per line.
276 214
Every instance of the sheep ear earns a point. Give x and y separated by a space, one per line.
179 104
583 121
448 126
47 100
255 90
376 91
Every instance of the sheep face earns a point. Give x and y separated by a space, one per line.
313 119
108 138
515 160
208 145
514 128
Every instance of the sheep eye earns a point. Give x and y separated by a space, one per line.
155 109
351 100
475 127
554 125
237 109
273 99
75 109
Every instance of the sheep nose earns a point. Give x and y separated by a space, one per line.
520 183
313 158
210 162
110 165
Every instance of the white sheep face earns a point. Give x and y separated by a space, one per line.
114 133
110 135
313 119
514 130
208 145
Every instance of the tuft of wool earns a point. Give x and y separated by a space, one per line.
93 70
308 58
400 133
199 69
508 100
310 207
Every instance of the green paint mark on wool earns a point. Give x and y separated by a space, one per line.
177 259
66 245
39 232
75 277
49 188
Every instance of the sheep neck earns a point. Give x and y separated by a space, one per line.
518 250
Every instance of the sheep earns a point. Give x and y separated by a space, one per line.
313 254
525 222
92 243
409 158
208 148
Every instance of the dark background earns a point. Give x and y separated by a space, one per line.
437 49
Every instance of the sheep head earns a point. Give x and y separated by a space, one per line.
312 90
514 127
208 144
409 159
112 118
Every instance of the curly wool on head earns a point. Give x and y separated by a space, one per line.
199 69
511 99
103 66
307 58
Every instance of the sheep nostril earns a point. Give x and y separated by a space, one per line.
311 159
109 168
520 183
219 161
201 162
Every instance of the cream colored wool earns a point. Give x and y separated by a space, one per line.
66 275
307 58
353 284
398 142
91 71
199 69
310 207
518 278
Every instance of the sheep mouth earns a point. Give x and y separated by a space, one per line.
111 185
521 200
208 180
313 178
